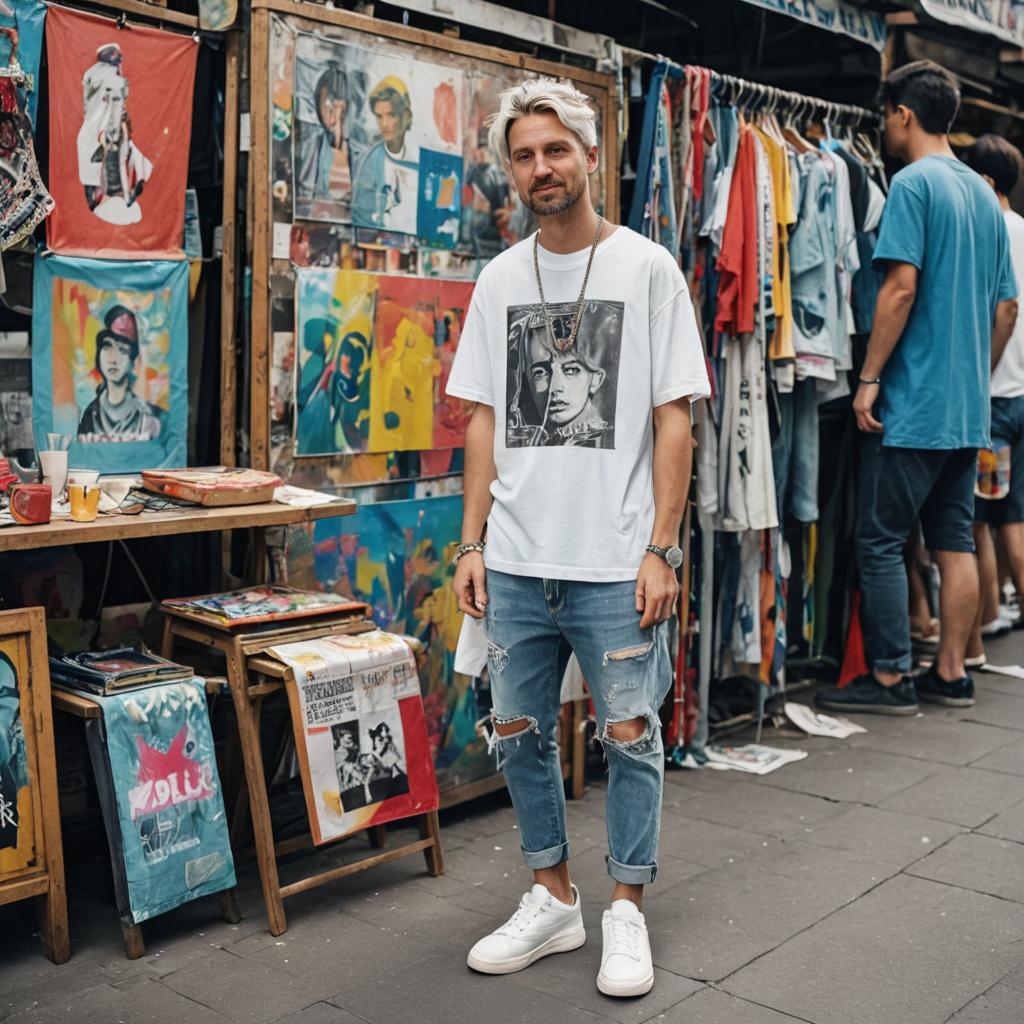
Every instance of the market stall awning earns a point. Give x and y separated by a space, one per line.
990 17
835 16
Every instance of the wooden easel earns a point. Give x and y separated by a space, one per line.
251 676
23 633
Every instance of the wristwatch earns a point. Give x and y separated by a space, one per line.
672 555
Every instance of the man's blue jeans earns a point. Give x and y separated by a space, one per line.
898 486
532 625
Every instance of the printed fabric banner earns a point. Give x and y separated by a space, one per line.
169 803
835 16
360 732
120 124
109 361
1003 19
396 556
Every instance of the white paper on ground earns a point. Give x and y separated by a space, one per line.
820 725
753 758
1002 670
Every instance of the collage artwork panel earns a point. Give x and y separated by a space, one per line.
396 556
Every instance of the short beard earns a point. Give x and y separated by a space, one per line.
546 210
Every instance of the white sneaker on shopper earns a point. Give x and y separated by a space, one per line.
626 965
1009 614
542 925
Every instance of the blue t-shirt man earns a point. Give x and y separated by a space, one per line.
942 218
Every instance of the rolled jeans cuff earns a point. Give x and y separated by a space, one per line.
546 858
902 664
631 874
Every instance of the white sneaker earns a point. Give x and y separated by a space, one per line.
1009 614
542 925
997 627
626 965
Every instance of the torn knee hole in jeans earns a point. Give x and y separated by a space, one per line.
524 724
497 656
626 740
629 653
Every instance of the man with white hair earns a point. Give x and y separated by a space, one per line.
582 354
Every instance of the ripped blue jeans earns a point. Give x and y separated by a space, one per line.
532 625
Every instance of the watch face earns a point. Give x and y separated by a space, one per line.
674 557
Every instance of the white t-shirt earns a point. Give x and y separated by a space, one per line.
573 438
1008 376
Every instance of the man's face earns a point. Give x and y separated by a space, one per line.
115 361
549 167
389 121
560 382
345 742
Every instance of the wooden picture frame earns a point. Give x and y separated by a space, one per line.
311 18
32 862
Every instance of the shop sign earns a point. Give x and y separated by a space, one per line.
835 16
1003 19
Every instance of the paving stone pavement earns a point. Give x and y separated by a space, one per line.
879 881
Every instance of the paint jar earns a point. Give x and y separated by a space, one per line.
85 500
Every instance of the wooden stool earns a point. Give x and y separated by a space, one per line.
244 653
82 706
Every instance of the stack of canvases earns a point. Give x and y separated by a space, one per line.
386 202
110 294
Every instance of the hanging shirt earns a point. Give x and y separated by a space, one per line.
739 284
814 256
573 430
942 218
1008 376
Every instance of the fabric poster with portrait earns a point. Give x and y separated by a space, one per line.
109 361
396 556
17 832
360 732
170 808
120 126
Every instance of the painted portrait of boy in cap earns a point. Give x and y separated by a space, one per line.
117 413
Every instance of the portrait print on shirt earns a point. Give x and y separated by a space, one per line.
561 395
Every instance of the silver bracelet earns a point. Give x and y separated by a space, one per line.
465 549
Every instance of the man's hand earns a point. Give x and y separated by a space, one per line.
471 584
863 404
656 590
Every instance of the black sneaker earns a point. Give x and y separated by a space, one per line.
934 689
866 695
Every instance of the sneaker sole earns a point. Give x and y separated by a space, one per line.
625 989
867 709
556 944
949 702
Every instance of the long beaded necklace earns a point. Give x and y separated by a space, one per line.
563 346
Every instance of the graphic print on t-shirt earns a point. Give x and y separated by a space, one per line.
568 397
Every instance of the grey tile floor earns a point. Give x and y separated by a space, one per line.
879 881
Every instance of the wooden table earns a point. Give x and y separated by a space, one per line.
81 705
194 519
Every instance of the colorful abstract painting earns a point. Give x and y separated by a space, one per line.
375 352
109 361
159 747
440 202
334 336
21 39
396 556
